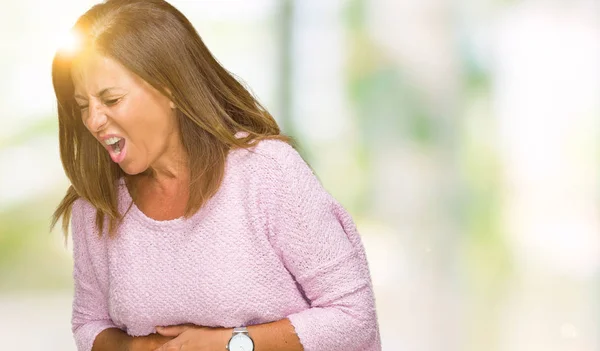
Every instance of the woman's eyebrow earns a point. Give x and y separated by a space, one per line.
100 93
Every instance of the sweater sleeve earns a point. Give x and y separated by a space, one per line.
90 306
320 246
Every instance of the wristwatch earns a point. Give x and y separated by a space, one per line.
240 340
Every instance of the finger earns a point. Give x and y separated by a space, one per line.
170 346
174 330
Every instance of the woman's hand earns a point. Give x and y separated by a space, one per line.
189 337
149 343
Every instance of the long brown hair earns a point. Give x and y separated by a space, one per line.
155 41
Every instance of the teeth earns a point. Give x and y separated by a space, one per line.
112 140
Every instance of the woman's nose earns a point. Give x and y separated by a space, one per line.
96 119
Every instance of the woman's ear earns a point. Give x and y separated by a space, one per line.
170 96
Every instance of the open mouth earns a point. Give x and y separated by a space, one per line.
118 146
116 149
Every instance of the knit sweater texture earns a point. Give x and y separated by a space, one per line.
272 243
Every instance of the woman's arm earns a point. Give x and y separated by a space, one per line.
90 315
93 329
319 245
274 336
114 339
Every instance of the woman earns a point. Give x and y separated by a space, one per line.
196 226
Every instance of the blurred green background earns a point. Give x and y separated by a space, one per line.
461 135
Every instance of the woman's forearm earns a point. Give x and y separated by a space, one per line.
275 336
112 339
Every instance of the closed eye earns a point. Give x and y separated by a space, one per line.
111 102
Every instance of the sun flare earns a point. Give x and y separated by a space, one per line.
68 42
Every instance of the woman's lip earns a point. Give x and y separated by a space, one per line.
108 136
121 156
105 137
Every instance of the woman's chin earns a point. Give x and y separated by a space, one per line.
131 169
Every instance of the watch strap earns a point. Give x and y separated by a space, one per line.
236 331
240 330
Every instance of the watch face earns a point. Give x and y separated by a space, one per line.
241 342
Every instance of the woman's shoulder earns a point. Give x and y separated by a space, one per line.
271 155
82 208
83 216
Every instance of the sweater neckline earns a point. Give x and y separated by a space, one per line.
175 223
141 217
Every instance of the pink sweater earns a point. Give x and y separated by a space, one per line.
271 244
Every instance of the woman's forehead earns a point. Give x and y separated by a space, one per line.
94 72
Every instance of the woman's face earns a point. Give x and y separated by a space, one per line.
121 109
